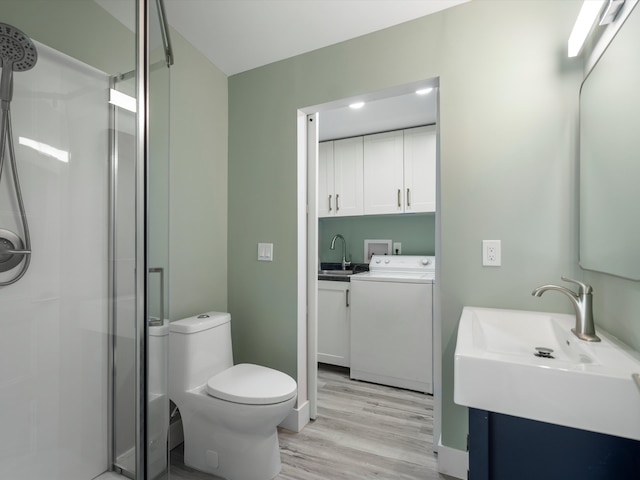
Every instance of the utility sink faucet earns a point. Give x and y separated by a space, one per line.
345 263
582 302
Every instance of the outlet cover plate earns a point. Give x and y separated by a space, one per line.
491 254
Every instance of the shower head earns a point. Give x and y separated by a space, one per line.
17 54
17 51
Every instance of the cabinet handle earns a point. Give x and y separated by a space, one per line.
408 197
347 297
399 192
329 202
337 202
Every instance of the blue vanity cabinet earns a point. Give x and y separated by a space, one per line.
503 447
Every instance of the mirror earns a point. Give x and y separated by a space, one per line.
610 158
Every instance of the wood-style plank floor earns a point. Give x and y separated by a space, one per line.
363 431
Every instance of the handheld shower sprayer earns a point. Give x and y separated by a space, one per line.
17 54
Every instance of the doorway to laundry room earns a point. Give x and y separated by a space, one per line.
365 197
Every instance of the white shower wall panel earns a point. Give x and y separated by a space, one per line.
53 322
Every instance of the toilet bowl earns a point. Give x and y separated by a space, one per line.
229 413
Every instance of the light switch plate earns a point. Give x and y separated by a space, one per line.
265 252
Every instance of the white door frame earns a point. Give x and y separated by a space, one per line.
312 262
308 119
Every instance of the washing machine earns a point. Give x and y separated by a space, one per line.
392 322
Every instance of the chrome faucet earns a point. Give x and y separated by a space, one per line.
582 302
345 263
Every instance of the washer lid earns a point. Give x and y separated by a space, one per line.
252 385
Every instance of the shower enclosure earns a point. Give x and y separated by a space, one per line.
83 328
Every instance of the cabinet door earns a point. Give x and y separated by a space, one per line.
383 173
333 323
420 169
326 194
348 180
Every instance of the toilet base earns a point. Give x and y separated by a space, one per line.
231 455
230 440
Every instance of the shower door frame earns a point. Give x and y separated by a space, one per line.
142 263
141 183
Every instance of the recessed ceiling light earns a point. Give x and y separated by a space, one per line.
356 105
424 91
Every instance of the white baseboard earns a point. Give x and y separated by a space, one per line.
452 462
297 419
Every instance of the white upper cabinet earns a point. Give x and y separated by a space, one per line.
340 181
391 172
400 171
326 191
420 169
383 173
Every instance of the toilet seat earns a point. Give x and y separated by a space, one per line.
252 385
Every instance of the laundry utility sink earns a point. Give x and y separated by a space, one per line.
335 272
530 365
335 275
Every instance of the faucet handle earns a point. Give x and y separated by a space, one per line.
584 288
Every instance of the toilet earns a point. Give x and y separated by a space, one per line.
230 413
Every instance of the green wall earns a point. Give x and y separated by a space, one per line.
416 232
79 28
198 185
508 123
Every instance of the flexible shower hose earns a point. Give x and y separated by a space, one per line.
6 140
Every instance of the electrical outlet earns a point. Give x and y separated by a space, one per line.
491 253
397 248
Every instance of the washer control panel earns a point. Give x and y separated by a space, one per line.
402 263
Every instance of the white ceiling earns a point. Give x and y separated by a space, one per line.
239 35
383 111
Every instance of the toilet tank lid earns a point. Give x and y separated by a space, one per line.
198 323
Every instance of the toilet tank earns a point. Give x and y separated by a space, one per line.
199 347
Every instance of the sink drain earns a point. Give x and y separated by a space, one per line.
544 352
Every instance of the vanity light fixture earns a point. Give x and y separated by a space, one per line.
356 105
611 11
424 91
586 18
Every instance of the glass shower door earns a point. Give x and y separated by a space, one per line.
158 245
150 397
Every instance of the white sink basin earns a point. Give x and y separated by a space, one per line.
586 385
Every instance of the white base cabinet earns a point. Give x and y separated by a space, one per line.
333 322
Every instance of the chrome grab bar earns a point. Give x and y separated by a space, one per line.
156 322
